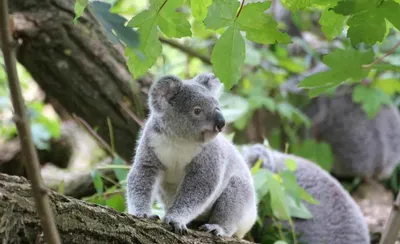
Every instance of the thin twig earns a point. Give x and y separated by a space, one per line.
240 9
392 228
96 136
131 114
186 49
111 132
29 154
366 66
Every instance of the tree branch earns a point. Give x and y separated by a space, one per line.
366 66
30 157
186 49
81 222
392 228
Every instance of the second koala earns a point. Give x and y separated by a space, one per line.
361 146
337 219
183 161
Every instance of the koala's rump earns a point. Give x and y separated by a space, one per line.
337 219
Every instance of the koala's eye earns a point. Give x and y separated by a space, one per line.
197 110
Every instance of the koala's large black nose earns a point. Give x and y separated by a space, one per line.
219 121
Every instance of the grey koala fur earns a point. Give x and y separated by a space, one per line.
337 219
187 165
361 146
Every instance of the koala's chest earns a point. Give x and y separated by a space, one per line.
175 157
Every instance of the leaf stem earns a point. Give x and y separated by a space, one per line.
367 66
240 9
162 6
29 154
293 230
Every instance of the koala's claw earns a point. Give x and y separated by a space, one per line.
177 227
212 228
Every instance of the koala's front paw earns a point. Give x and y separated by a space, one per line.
148 216
177 227
213 228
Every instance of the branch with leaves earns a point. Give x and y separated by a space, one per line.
21 119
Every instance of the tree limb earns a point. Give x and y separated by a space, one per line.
29 154
186 49
392 227
80 67
82 222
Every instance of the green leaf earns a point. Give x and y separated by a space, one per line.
259 101
345 64
371 99
120 173
228 56
307 197
174 25
97 182
291 164
332 24
260 183
143 17
259 26
278 199
149 46
367 22
389 85
79 8
291 113
199 8
290 184
349 7
298 210
391 10
294 5
117 202
368 27
221 13
256 166
114 24
318 152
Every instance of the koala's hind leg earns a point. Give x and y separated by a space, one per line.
235 210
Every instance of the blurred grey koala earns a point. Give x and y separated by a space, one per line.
337 219
361 146
184 162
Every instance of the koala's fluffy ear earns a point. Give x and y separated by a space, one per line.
211 82
162 91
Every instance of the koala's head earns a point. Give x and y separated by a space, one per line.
187 109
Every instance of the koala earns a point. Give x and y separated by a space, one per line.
185 163
364 147
337 219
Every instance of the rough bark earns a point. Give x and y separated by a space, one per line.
81 222
78 66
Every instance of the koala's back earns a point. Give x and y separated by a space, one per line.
361 146
337 219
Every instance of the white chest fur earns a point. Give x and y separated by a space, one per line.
175 156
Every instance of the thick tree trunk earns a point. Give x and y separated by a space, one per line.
81 222
78 66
